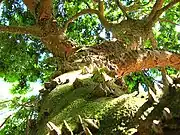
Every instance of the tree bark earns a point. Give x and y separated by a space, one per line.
122 61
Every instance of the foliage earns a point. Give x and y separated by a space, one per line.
23 109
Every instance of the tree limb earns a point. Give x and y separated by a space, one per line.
160 11
88 11
120 5
165 81
42 10
148 59
45 11
157 6
34 31
131 8
117 59
32 5
134 7
85 11
148 82
101 7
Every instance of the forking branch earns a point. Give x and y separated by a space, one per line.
130 8
157 6
156 12
99 13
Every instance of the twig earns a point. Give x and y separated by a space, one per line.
131 8
2 102
87 4
169 21
5 121
120 5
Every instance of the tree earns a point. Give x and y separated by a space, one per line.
53 37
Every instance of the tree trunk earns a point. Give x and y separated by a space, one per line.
75 104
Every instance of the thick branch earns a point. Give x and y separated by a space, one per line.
34 31
157 6
160 11
31 5
122 61
89 11
144 59
45 11
41 10
165 81
101 7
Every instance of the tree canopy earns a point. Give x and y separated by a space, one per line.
42 39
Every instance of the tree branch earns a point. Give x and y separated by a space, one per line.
168 21
165 81
160 11
42 10
34 31
157 6
117 59
148 82
147 59
88 11
85 11
131 8
31 5
135 6
5 121
120 5
101 7
45 11
6 101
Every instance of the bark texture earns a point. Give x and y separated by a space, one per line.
116 58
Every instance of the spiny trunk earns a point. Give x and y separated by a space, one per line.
122 115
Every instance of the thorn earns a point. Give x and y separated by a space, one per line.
152 97
54 130
167 113
156 126
66 130
87 131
